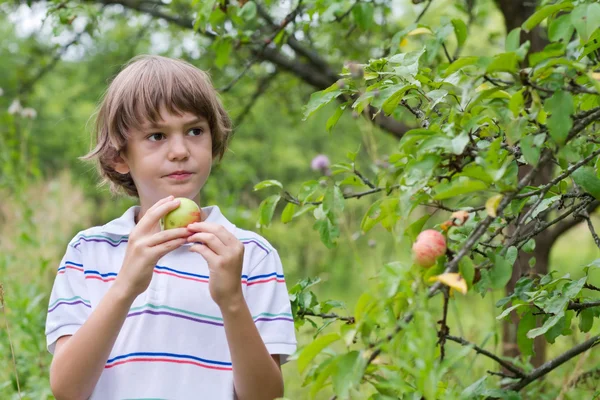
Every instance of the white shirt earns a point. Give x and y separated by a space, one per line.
172 344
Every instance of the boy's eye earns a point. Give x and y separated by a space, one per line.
196 131
156 136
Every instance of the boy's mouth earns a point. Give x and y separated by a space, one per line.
180 174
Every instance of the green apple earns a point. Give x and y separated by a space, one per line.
187 213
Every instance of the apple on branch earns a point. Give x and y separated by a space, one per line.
430 245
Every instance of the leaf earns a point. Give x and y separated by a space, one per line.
503 62
586 320
526 323
460 63
531 153
550 322
333 203
458 187
288 212
587 178
328 232
267 183
467 270
363 15
543 13
460 30
475 390
513 40
561 29
491 205
560 107
223 49
453 280
267 209
416 227
349 371
586 18
248 11
318 100
314 349
502 270
333 120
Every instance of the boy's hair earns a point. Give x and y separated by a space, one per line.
135 96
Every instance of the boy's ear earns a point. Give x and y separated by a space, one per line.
120 164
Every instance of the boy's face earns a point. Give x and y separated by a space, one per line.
172 158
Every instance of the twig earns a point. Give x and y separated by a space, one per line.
424 11
365 180
349 320
508 366
583 306
444 329
586 216
261 88
553 364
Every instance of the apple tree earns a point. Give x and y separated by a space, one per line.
487 130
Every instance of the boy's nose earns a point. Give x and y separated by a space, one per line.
178 149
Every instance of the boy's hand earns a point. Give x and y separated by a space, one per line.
224 254
146 245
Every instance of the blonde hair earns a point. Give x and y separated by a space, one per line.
135 96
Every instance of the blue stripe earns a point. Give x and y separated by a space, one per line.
168 355
98 273
73 263
262 276
181 272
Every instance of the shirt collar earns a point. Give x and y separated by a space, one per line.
125 223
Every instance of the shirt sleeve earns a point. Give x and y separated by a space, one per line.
69 305
269 303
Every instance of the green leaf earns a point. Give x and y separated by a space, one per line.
560 107
502 270
416 227
561 29
586 18
550 322
526 323
586 320
460 30
267 183
587 178
267 209
363 15
327 231
544 13
467 270
203 15
349 371
458 187
513 40
475 390
503 62
318 100
333 203
531 153
247 11
223 49
288 212
333 120
314 349
460 63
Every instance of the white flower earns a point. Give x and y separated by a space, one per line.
15 107
320 162
28 113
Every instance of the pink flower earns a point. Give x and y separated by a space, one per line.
320 163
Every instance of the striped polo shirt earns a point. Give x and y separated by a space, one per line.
172 344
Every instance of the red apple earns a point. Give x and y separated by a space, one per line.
188 212
430 245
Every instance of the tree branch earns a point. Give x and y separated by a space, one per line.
508 366
553 364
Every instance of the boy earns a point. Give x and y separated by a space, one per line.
200 312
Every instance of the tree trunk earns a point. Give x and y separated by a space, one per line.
515 13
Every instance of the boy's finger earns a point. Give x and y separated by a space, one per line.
154 214
210 240
170 234
218 230
166 247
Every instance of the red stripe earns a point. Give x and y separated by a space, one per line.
182 277
265 280
62 271
99 278
72 267
168 360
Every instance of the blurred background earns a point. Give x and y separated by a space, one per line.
56 59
